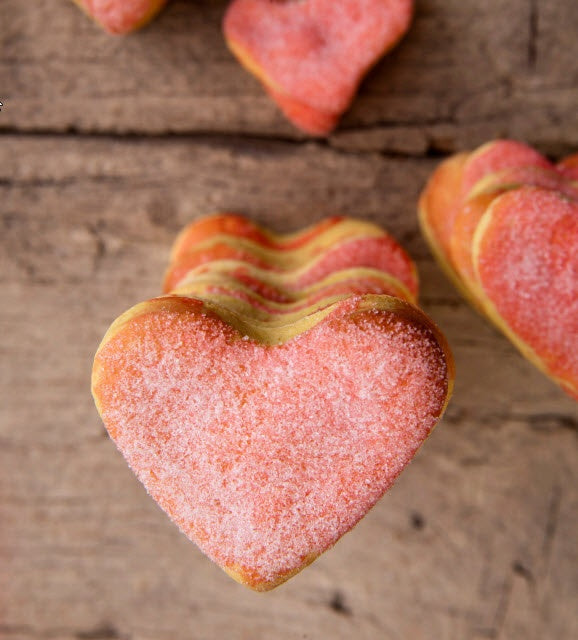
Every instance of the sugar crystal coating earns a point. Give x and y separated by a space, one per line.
311 56
471 211
528 254
497 156
264 455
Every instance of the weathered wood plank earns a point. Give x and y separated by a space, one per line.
465 73
475 541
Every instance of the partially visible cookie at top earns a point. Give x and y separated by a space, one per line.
311 55
121 16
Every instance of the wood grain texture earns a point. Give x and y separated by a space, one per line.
108 147
463 74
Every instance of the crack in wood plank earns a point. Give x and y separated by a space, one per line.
533 34
102 632
551 525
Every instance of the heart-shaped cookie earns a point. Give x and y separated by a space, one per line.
454 182
265 456
267 431
485 191
311 55
121 16
501 220
525 254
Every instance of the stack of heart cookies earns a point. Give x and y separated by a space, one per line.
503 223
228 255
277 389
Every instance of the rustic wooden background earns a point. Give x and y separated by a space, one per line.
107 147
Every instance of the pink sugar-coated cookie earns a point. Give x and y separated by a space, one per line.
266 455
471 211
456 180
451 184
526 280
233 224
121 16
525 252
462 174
311 55
499 155
280 249
382 253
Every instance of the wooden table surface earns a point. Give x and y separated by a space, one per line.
108 146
